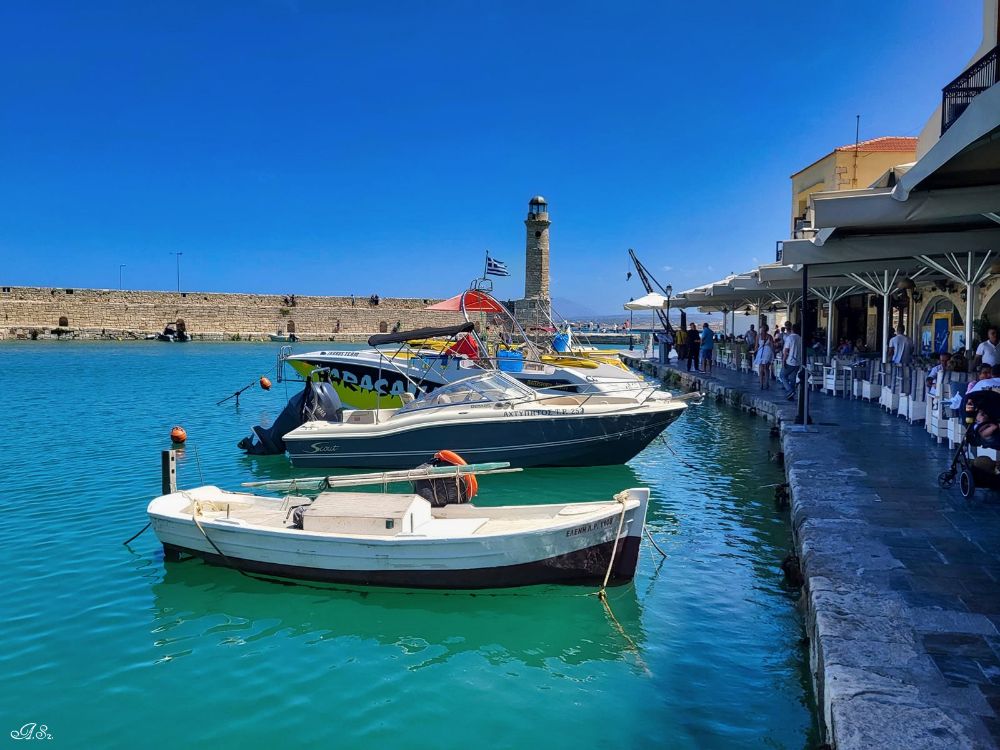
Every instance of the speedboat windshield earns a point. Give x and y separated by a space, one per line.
486 388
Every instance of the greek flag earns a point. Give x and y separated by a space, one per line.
496 267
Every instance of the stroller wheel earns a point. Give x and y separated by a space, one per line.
946 479
966 484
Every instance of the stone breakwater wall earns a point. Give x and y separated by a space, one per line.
41 313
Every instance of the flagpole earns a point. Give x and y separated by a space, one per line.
486 265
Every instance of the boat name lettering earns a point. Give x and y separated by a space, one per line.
541 412
352 382
323 448
589 527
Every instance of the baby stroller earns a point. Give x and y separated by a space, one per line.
973 472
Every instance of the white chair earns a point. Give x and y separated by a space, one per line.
869 390
935 422
815 375
892 385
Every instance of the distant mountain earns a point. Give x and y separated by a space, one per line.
567 308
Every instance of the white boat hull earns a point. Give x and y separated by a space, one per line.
575 548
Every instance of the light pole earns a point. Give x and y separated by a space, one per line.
121 267
669 290
178 269
631 320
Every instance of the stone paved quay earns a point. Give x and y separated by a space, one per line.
902 579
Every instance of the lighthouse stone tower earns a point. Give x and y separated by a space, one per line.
536 307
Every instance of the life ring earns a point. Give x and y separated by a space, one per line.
450 457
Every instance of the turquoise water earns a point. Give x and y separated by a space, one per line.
109 647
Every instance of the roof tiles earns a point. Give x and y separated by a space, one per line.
885 143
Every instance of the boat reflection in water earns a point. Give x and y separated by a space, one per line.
196 607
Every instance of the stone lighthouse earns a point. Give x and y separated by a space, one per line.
536 307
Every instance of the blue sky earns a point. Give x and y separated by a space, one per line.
335 148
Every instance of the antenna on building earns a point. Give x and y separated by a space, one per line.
857 140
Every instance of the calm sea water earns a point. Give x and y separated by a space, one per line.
109 647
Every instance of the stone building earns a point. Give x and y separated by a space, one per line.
535 310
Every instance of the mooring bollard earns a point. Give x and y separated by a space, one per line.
168 471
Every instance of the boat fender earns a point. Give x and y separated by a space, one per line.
179 435
471 483
265 383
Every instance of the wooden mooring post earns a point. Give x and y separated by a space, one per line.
168 471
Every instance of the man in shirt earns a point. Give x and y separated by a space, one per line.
987 353
792 360
900 348
707 344
751 338
691 341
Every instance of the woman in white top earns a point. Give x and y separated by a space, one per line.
764 356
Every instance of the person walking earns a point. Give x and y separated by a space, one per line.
791 360
751 338
763 357
707 345
900 348
691 341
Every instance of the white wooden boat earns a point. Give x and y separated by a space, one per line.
402 539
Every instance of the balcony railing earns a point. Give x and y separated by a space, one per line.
958 94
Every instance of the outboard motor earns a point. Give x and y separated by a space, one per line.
316 402
443 491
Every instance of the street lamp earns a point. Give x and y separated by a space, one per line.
631 321
178 269
669 290
121 266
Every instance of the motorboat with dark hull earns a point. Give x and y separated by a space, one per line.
489 417
410 539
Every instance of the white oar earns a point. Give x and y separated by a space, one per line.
382 477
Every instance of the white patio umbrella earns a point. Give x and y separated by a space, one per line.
651 301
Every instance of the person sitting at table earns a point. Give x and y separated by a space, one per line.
943 360
985 372
990 383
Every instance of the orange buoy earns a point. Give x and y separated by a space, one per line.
265 383
470 481
178 434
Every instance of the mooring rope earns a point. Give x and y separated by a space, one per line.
621 497
649 536
136 536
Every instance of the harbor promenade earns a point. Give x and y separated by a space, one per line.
901 593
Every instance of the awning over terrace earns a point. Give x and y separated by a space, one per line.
943 216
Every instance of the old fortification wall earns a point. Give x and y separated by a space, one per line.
39 312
